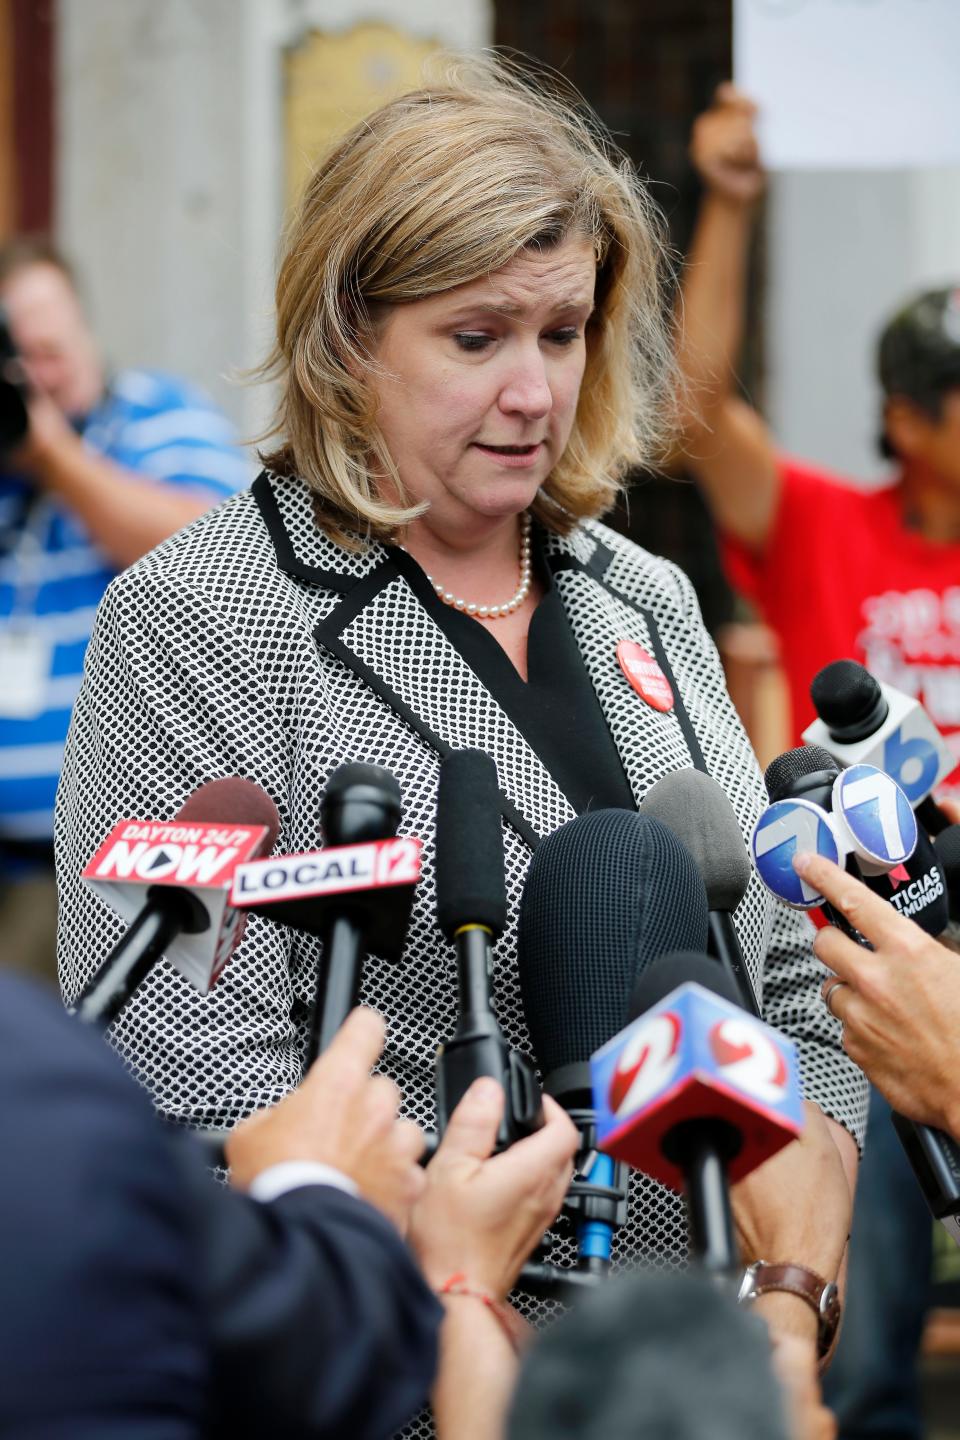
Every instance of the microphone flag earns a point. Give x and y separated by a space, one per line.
200 857
695 1056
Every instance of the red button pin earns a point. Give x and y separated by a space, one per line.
645 675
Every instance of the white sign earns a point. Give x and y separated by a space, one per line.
851 84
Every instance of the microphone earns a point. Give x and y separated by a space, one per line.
605 895
947 849
697 810
171 878
933 1155
696 1093
863 720
361 803
472 913
859 811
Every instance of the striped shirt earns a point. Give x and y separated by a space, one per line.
52 575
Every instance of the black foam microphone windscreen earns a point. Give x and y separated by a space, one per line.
471 889
605 895
680 968
699 813
795 772
848 700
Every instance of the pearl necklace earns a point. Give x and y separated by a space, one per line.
495 612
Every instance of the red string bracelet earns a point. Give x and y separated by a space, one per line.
517 1330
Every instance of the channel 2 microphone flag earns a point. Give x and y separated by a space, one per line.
695 1056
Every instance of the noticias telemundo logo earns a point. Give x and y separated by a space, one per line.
784 828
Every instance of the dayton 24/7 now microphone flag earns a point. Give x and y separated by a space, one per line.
190 855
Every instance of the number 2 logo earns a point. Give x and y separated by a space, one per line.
749 1059
646 1064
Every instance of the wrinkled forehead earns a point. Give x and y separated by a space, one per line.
563 276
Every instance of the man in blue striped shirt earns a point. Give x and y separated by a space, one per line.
111 464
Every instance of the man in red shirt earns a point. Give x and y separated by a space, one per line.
838 571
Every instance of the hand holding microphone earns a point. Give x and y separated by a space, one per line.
899 1003
482 1214
342 1117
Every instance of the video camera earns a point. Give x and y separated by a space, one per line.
14 391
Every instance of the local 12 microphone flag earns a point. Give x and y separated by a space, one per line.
373 880
694 1056
200 856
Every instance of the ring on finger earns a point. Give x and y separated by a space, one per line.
828 993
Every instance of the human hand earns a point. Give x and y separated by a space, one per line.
899 1004
724 149
795 1368
796 1207
481 1217
340 1116
49 436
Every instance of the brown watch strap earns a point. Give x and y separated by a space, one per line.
821 1295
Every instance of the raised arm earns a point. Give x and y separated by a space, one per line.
726 444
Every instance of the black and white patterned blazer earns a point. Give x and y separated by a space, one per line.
250 644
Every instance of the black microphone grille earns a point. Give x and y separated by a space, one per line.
678 969
471 889
605 894
845 696
360 803
793 765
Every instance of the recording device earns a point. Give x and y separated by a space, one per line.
14 391
605 895
697 810
472 913
933 1155
859 812
864 721
172 880
356 893
696 1093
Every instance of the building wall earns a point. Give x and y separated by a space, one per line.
170 174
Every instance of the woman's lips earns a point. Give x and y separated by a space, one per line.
514 457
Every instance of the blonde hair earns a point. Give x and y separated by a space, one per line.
435 189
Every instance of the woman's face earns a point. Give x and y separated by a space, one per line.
481 384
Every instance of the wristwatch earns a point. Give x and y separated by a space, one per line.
821 1295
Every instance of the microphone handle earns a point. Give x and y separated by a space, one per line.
934 1157
723 945
931 817
702 1149
338 982
130 961
478 1047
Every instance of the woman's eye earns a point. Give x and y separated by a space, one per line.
566 336
471 340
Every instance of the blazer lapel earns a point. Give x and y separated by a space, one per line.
377 622
651 742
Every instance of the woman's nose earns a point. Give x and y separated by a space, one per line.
526 390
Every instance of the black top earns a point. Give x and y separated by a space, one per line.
556 708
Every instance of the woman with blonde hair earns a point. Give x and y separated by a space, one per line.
473 350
